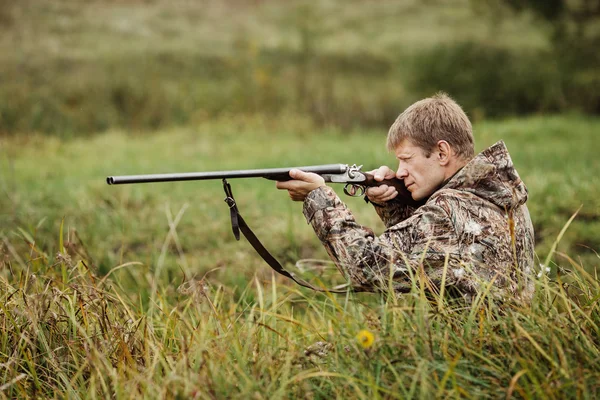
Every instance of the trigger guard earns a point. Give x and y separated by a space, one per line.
357 190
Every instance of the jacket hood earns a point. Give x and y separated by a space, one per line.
492 176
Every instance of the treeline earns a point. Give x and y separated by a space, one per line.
145 90
153 91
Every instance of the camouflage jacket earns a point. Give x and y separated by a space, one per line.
473 234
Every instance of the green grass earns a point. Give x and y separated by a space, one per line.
45 179
116 304
74 334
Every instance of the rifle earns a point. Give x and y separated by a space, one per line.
356 182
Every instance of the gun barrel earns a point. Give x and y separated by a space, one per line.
280 174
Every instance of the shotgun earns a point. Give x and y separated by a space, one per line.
356 182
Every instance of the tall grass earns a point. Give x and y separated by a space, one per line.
66 332
125 301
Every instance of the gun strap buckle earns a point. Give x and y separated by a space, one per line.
230 201
233 211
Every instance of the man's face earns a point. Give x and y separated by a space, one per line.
421 175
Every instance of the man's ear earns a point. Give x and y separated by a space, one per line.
443 152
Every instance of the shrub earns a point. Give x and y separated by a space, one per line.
488 80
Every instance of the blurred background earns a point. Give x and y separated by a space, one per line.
72 68
109 87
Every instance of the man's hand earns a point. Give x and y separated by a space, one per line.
383 193
302 184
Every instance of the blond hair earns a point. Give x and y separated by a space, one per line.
433 119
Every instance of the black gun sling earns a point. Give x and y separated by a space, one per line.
238 224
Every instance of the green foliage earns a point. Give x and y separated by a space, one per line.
579 65
86 67
547 9
573 35
79 335
488 80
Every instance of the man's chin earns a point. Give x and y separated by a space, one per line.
417 196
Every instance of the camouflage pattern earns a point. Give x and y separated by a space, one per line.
473 234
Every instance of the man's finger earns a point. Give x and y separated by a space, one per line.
390 191
381 193
384 172
304 176
296 173
387 172
284 185
389 196
380 173
377 191
296 196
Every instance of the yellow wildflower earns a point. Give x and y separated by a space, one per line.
365 338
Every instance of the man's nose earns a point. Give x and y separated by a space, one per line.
401 173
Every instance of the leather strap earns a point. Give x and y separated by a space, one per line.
238 224
233 210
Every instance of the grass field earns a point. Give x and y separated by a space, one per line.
101 298
141 291
45 179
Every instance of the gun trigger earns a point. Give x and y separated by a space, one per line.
353 190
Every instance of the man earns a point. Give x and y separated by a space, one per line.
473 232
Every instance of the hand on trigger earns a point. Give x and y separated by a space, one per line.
383 193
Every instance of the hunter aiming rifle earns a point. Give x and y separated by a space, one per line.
356 182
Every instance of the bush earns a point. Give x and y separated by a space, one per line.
579 64
488 80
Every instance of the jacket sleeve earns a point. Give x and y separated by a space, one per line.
393 212
374 263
